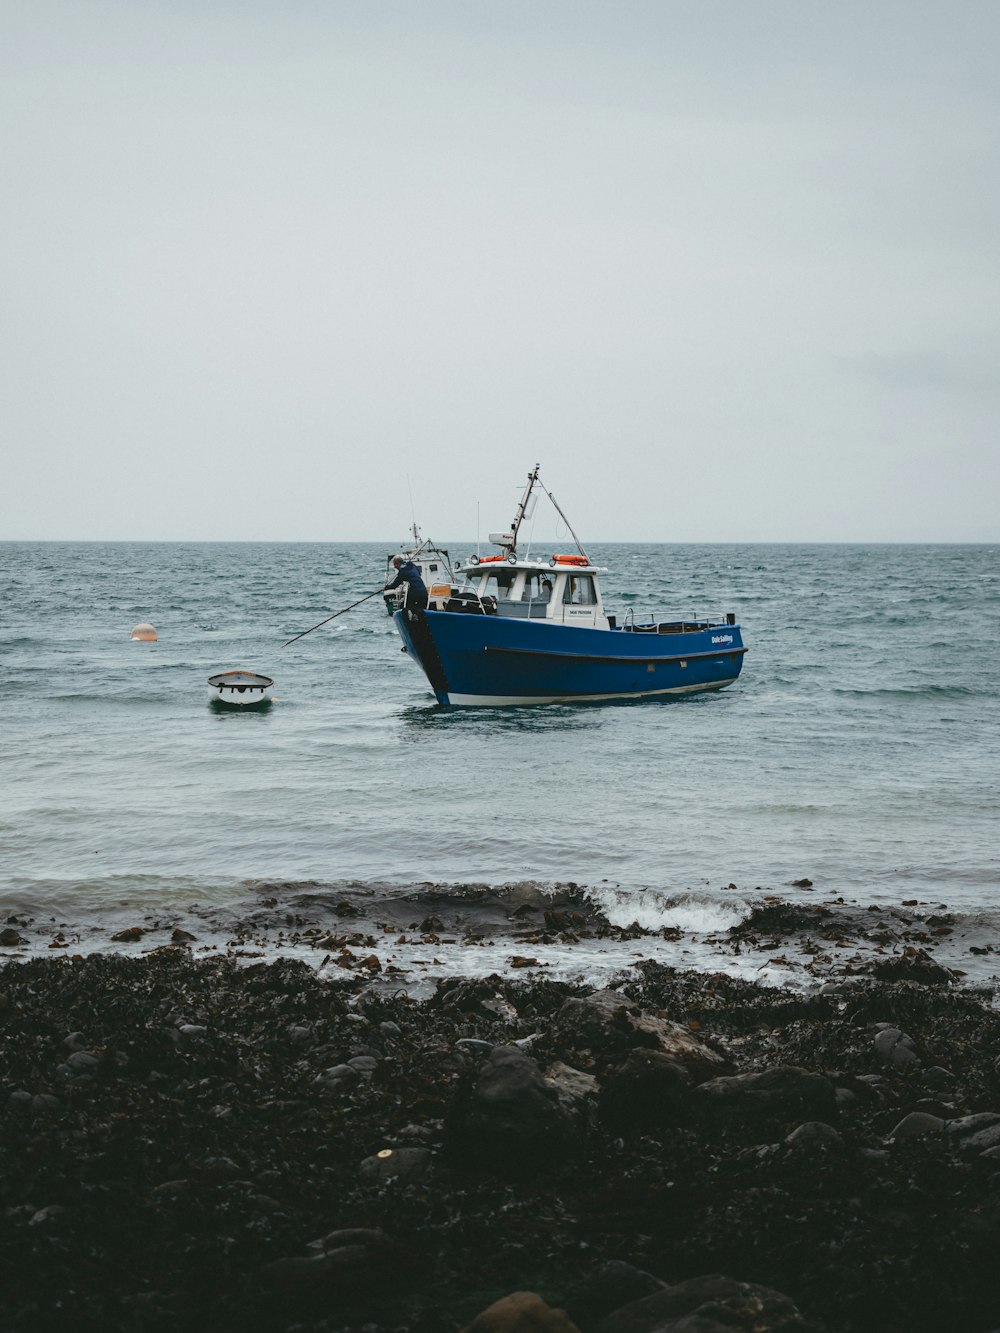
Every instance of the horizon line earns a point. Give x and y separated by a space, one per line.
374 541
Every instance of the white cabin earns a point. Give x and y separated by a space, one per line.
566 589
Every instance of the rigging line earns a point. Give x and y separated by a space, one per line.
579 544
366 598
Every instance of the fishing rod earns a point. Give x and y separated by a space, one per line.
335 615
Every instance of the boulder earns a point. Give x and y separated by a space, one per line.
916 1125
913 965
511 1116
769 1099
896 1049
608 1288
521 1312
648 1091
609 1025
707 1304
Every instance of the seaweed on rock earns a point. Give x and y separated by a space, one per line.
191 1145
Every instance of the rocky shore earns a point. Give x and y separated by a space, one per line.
209 1144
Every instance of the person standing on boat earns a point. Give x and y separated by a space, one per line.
416 590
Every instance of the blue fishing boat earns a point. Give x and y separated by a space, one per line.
531 630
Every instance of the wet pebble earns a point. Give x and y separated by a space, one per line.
338 1076
83 1062
815 1134
403 1164
192 1031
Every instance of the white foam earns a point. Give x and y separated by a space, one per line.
652 909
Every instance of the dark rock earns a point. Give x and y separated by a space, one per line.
349 1267
896 1049
716 1303
510 1117
364 1064
880 1235
192 1031
975 1133
649 1091
45 1101
916 1125
129 935
370 1237
608 1025
83 1062
938 1077
813 1135
338 1077
607 1289
574 1087
913 965
521 1312
396 1164
767 1099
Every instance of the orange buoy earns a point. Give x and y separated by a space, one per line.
143 634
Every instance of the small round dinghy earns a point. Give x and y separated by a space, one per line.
241 689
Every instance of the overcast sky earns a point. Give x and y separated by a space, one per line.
726 268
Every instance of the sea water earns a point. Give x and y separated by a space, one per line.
860 747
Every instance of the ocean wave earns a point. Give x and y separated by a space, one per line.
928 691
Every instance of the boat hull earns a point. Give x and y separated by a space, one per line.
492 661
231 698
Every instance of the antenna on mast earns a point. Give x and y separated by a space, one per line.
510 538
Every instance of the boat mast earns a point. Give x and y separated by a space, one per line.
519 516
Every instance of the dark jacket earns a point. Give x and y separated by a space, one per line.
408 573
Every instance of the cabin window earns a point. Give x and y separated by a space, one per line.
537 588
580 591
498 585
